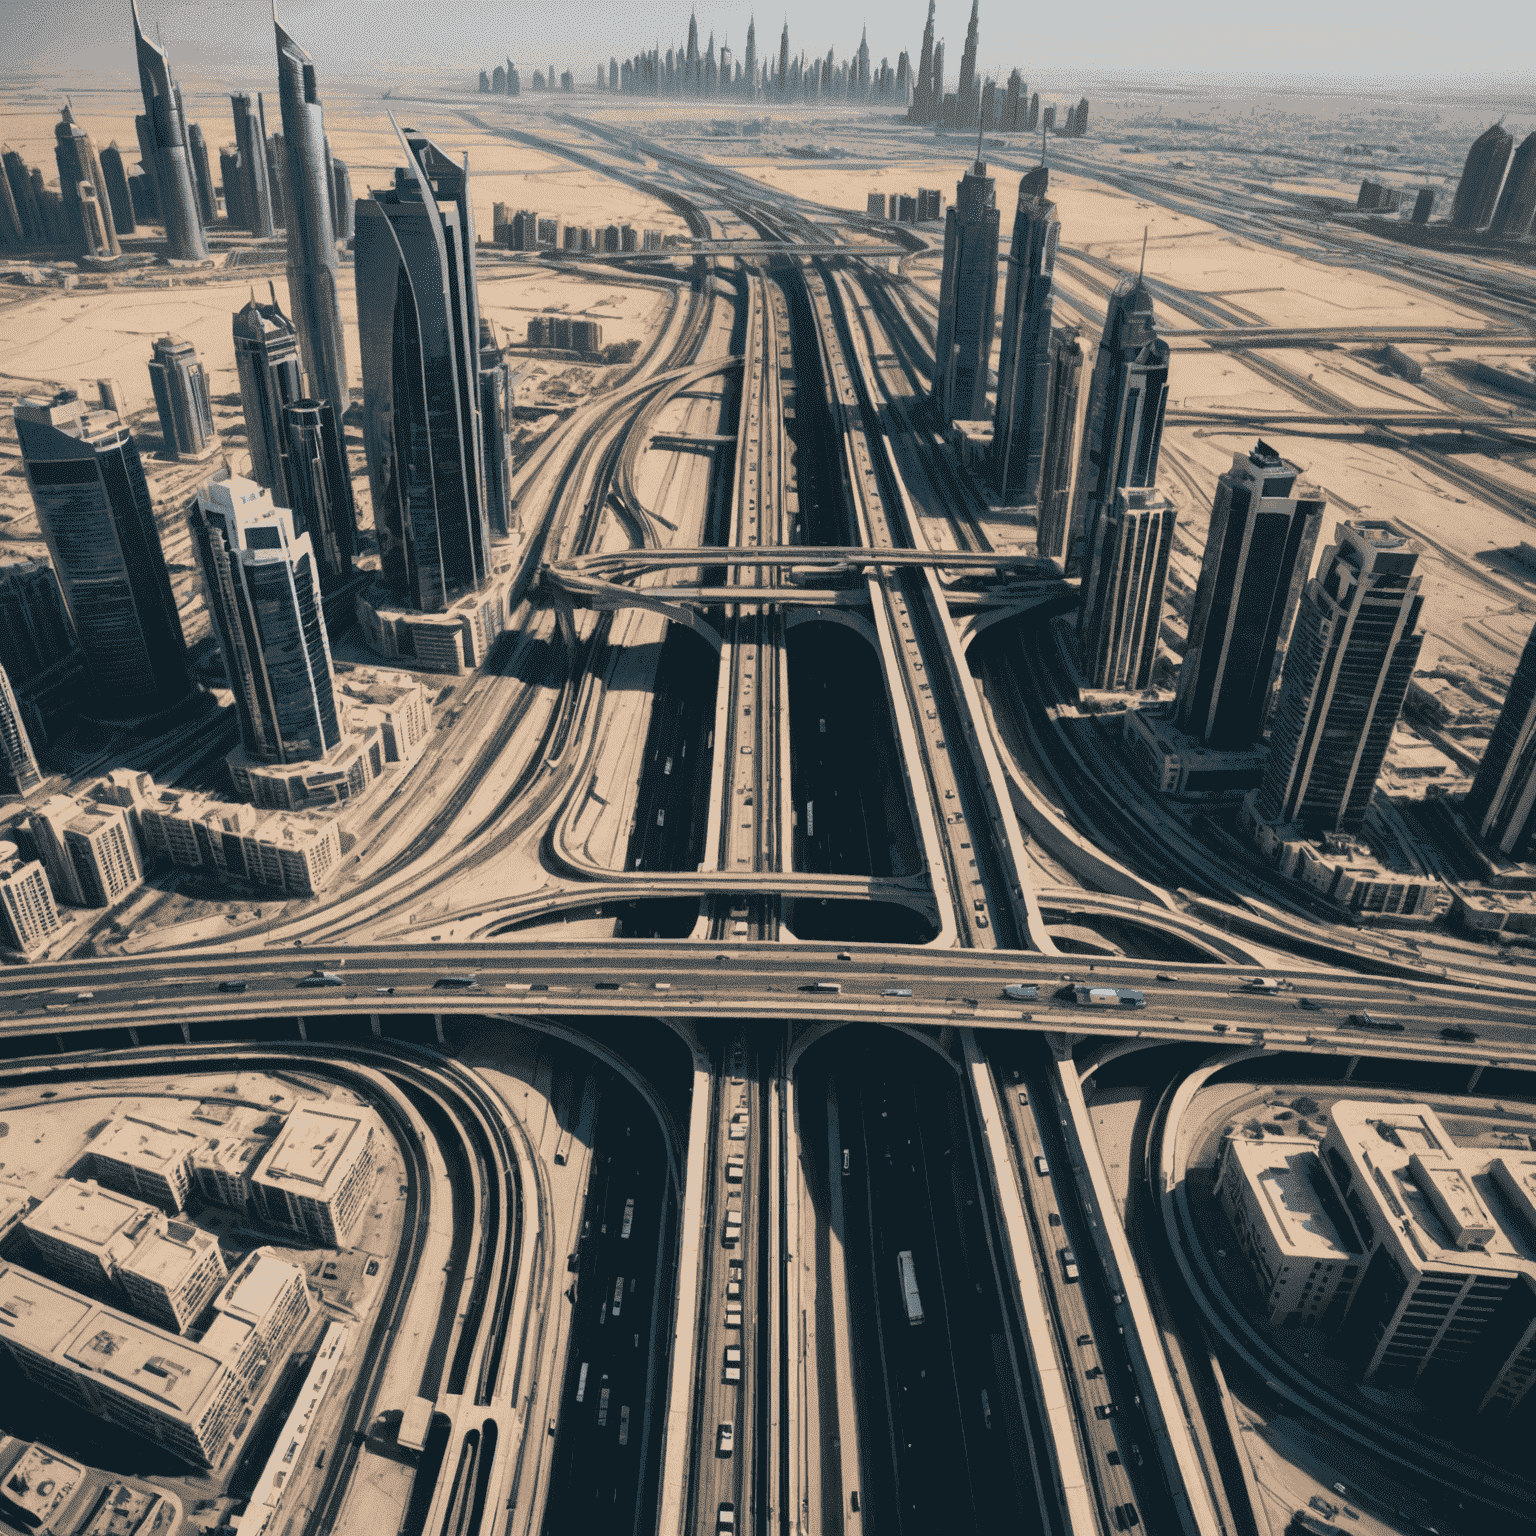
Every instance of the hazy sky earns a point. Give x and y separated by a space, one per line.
1304 37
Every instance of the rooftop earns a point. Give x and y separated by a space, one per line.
1280 1170
39 1483
164 1257
87 1216
140 1359
249 1293
145 1144
316 1147
1436 1203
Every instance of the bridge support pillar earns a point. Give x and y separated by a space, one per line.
186 1033
437 1025
373 1024
565 620
303 1029
1477 1073
1349 1071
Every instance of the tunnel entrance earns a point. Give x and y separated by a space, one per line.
851 814
672 801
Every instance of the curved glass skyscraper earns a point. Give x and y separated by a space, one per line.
419 328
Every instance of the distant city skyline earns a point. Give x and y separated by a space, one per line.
234 35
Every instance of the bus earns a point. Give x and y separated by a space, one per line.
629 1218
581 1384
909 1295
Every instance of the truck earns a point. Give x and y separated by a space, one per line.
1068 1265
1022 991
1374 1021
1107 997
909 1293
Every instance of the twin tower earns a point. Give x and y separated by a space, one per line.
1108 522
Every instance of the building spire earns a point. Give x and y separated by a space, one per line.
1143 272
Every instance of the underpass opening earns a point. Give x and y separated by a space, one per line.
818 473
913 1186
850 805
866 922
672 799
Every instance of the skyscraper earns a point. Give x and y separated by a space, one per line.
13 235
166 136
1477 193
1054 518
1257 555
181 397
1122 609
83 187
277 168
1023 376
967 90
97 517
20 183
1352 654
967 299
264 595
311 235
1501 805
1123 426
115 180
341 200
781 82
749 59
320 485
19 773
202 177
251 141
495 419
35 632
419 329
28 917
267 362
1517 202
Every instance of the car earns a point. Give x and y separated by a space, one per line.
1262 984
373 1267
85 997
1023 1097
1103 1410
843 954
661 986
609 986
725 1516
897 992
1068 1266
1458 1032
1042 1167
1136 1452
1085 1338
1220 1029
383 991
1340 1488
319 978
232 986
1022 991
725 1441
1308 1005
722 956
